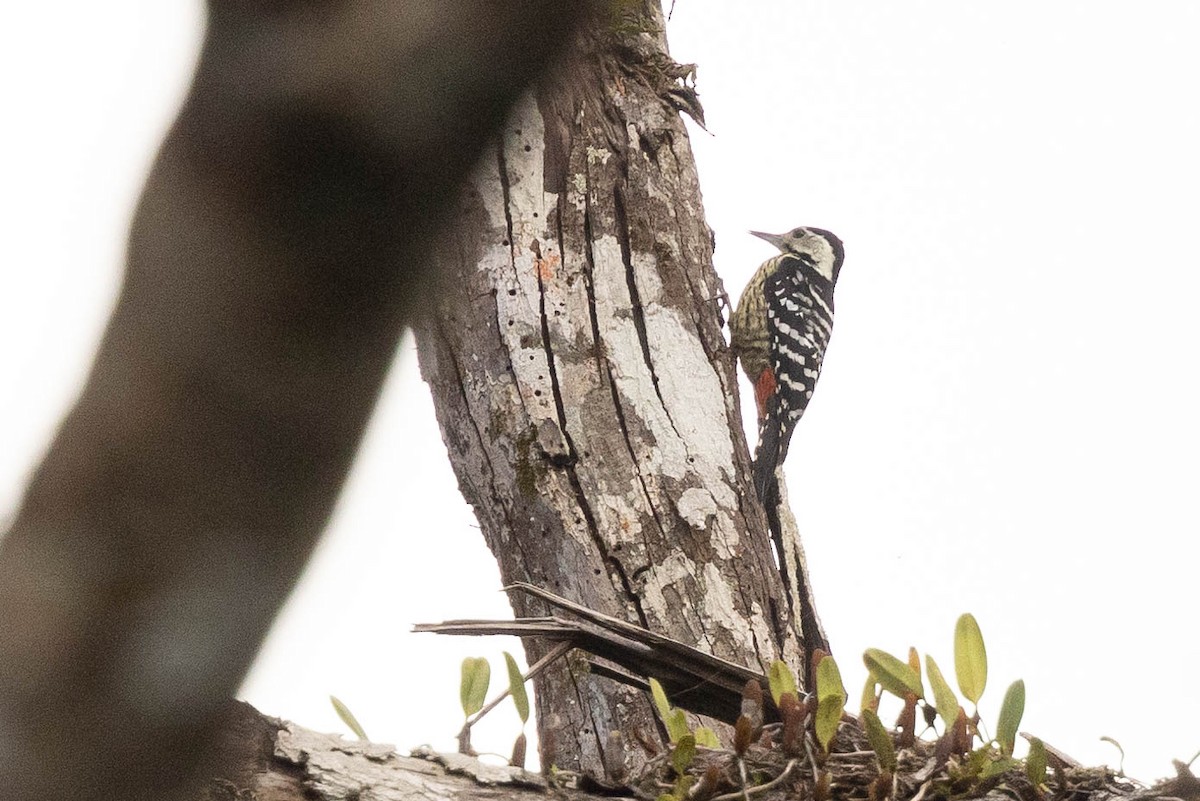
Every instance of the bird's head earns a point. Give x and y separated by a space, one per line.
816 246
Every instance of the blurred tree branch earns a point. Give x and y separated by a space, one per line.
273 262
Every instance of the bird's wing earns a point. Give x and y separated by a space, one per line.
798 327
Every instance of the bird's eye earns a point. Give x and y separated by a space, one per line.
799 233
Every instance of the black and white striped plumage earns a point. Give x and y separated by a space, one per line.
780 329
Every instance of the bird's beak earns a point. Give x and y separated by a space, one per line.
774 239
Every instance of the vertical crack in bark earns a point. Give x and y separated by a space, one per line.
635 299
505 190
643 339
616 398
461 386
626 581
590 709
589 283
552 371
603 369
560 410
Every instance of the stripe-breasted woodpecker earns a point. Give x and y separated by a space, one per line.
780 330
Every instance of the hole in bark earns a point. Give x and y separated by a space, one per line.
528 148
535 214
596 570
510 322
505 243
537 393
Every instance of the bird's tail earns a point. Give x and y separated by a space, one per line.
766 460
766 484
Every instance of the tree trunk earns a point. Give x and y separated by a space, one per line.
585 390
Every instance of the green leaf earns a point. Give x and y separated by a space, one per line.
895 676
829 680
516 688
868 700
476 676
706 737
348 718
1035 762
781 680
970 658
684 753
829 715
943 697
660 700
677 727
1011 711
831 701
881 741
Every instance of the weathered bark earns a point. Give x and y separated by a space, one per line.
583 384
266 759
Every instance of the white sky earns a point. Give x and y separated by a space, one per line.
1007 420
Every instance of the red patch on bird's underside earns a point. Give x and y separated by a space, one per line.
764 388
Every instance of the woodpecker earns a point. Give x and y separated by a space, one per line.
780 330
